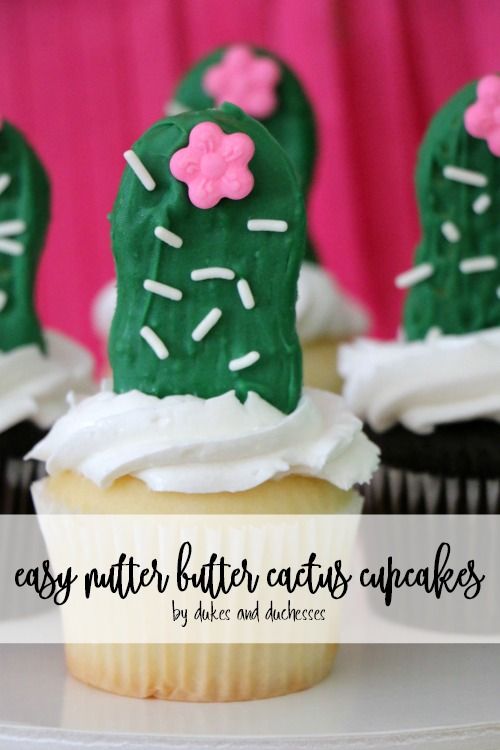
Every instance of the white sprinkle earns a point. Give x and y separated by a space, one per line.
9 228
267 225
414 275
206 324
163 290
3 299
202 274
165 235
246 295
450 231
11 247
466 176
481 204
139 170
154 341
241 362
5 180
475 265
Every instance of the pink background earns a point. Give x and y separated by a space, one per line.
84 78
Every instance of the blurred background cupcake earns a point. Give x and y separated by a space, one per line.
37 368
431 401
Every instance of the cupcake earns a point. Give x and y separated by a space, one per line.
431 401
37 368
207 413
266 88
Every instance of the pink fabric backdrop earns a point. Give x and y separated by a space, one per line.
84 78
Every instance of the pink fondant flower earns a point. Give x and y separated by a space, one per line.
214 165
482 119
244 79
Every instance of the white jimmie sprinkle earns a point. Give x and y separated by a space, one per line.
206 324
466 176
481 204
139 170
13 227
5 180
476 265
240 363
168 237
450 231
11 247
414 276
246 296
163 290
3 299
203 274
154 341
267 225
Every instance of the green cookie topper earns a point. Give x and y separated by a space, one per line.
208 233
265 88
455 283
24 216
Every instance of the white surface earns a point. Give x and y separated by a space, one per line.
385 697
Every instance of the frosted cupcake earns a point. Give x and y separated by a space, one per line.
207 413
266 88
37 368
432 400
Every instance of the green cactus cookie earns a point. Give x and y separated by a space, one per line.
455 284
208 234
265 88
24 216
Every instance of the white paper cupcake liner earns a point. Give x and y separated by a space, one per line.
200 671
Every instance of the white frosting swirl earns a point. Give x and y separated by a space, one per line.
189 444
34 385
322 308
422 384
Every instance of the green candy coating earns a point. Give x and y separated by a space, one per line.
215 237
292 123
453 301
25 197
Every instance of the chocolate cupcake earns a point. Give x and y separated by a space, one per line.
37 368
432 400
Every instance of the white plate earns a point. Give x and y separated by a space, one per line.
378 696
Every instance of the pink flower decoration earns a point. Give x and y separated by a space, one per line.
214 165
246 80
482 119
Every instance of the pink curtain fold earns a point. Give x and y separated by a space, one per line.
84 78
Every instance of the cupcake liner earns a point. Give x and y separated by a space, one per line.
213 667
396 492
16 478
21 546
200 672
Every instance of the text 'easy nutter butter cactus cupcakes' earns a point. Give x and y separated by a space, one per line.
266 88
432 401
208 414
36 368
